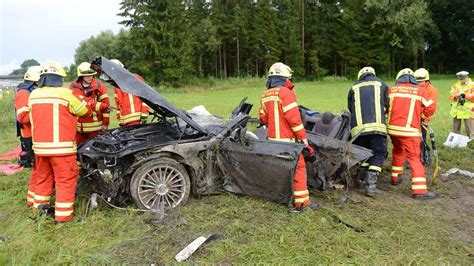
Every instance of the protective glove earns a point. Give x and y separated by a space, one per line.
308 154
104 107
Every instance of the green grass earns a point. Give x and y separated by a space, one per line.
396 229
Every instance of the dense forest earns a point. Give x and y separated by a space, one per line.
174 41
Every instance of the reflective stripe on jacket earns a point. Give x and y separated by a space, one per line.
431 94
368 101
279 112
53 117
408 103
462 111
130 107
94 95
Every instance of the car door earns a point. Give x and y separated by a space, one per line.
259 168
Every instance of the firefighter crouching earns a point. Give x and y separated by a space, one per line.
27 155
130 108
408 103
462 103
279 112
53 116
368 101
94 92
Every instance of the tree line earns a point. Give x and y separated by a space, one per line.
174 41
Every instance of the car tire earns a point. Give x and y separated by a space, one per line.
161 179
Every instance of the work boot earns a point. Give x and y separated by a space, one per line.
371 186
301 207
399 180
429 195
46 210
361 177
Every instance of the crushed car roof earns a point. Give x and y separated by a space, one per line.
128 82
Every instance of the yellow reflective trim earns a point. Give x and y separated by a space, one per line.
357 105
31 193
378 115
46 100
408 129
416 187
403 134
300 193
52 145
276 115
55 151
270 99
282 139
289 107
297 128
22 109
103 96
91 129
376 168
369 128
92 124
418 179
28 199
301 200
426 103
132 103
106 114
410 112
406 95
364 164
397 168
55 123
395 174
130 115
64 204
97 107
262 111
62 213
39 197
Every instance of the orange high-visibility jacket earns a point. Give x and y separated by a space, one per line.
279 112
22 111
53 117
96 96
130 107
408 103
431 94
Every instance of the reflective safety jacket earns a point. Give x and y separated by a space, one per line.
21 107
95 95
458 110
53 117
130 107
408 103
431 94
279 112
368 102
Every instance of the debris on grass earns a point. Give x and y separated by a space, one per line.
460 172
186 252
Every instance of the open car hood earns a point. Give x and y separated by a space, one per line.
128 82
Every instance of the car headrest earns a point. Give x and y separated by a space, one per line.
327 118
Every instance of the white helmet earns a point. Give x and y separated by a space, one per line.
53 67
405 71
84 69
33 73
280 69
116 61
462 74
422 74
366 70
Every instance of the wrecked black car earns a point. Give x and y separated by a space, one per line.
182 153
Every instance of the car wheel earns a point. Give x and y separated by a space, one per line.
160 180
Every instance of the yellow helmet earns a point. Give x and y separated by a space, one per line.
405 71
366 70
280 69
53 67
116 61
422 74
84 69
33 73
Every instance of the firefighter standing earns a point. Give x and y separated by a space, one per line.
279 112
53 116
94 92
368 101
422 76
462 103
130 108
27 155
408 103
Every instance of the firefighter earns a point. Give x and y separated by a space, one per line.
368 101
408 102
462 103
422 76
30 82
94 92
27 155
53 116
280 114
130 108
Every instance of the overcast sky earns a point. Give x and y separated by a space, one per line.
51 29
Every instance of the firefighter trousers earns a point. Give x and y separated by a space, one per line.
378 144
300 188
409 148
60 172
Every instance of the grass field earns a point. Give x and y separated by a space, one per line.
392 229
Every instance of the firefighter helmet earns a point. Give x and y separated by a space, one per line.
280 69
405 71
84 69
366 70
116 61
422 74
53 67
462 74
33 73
